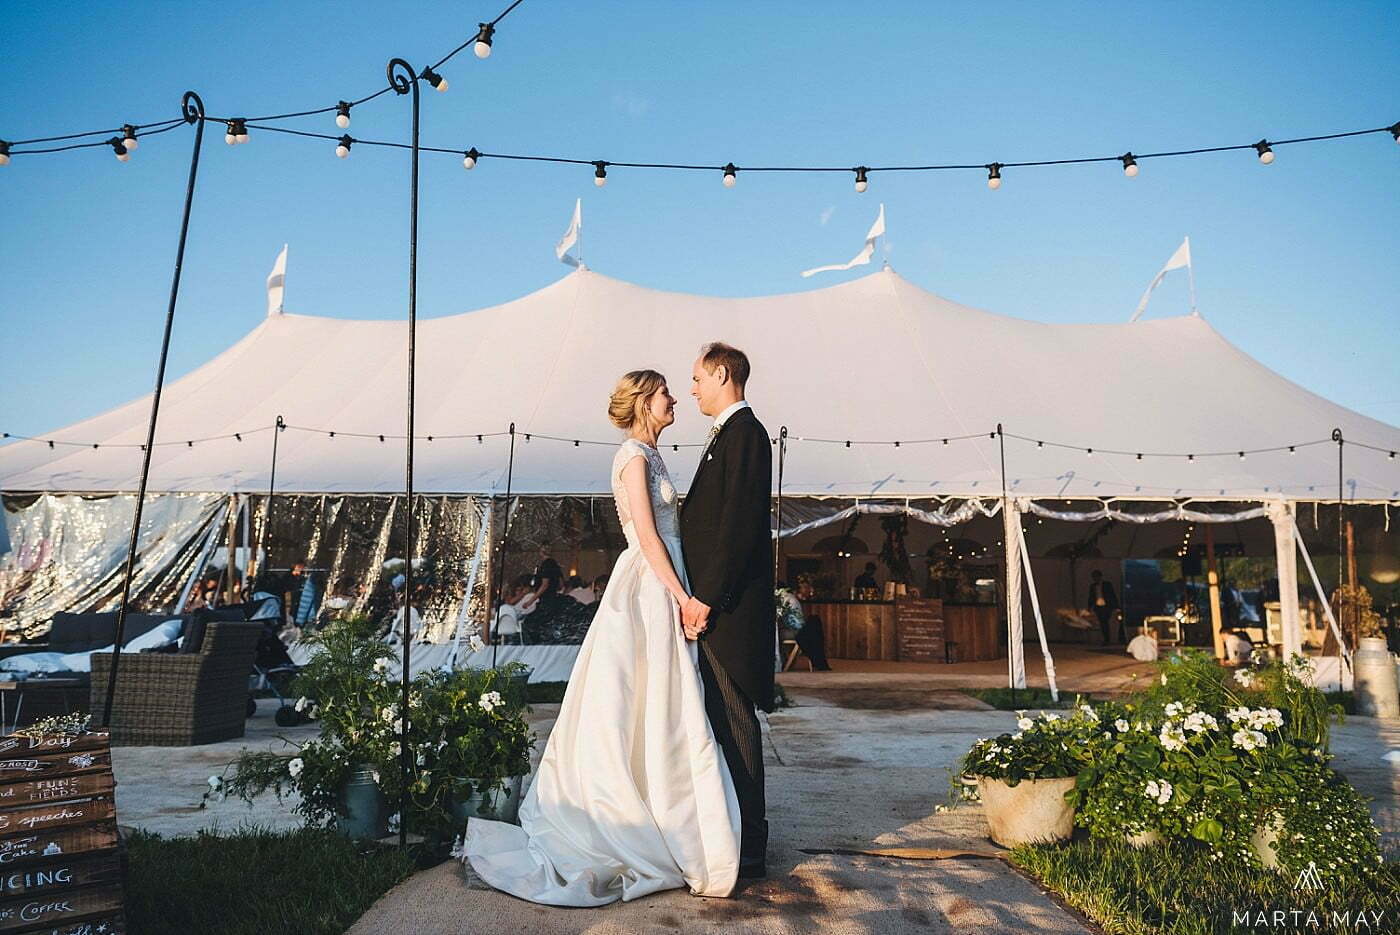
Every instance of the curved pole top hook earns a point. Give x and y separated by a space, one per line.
192 106
400 82
1336 435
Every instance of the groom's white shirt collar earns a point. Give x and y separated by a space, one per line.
723 417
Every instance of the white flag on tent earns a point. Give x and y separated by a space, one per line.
1182 257
276 283
571 237
863 257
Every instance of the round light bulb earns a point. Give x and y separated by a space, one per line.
130 144
994 183
123 157
342 151
4 159
242 137
862 185
230 139
1131 170
469 163
729 181
442 85
342 120
1267 157
600 180
482 49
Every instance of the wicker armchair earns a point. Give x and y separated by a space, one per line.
185 699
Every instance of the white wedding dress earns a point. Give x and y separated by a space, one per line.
632 794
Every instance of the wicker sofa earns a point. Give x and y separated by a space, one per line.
180 699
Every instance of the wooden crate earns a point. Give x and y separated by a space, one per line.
57 789
41 880
113 924
50 765
60 910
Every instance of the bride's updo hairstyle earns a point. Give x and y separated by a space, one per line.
628 406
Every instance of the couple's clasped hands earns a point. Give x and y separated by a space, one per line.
695 617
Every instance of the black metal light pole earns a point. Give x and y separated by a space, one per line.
505 541
403 81
193 110
267 508
778 544
1341 531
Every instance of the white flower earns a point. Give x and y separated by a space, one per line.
476 643
301 704
1108 735
1199 722
1174 709
395 749
399 726
1244 677
1050 717
1249 739
381 665
1164 678
1171 737
388 714
1121 725
422 758
216 783
490 700
1161 791
394 822
315 711
1089 711
295 767
1024 723
1235 715
1016 736
1263 718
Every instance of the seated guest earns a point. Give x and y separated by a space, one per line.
519 601
866 581
807 631
579 591
1238 647
1143 647
600 584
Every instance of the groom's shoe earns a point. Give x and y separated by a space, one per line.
755 869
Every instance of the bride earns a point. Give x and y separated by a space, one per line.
632 794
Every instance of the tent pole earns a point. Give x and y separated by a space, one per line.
193 110
1341 535
255 563
403 81
1011 650
778 537
1213 589
493 611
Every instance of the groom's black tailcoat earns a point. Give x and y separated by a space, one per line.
726 535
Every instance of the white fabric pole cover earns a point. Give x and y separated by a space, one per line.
1181 258
1015 634
571 237
277 283
877 230
1322 596
1035 605
1286 557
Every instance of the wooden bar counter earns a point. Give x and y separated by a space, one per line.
908 630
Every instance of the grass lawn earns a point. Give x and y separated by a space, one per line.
1174 889
257 882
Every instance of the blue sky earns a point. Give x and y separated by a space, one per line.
1295 262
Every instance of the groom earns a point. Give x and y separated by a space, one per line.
727 540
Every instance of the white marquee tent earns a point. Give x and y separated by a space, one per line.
869 377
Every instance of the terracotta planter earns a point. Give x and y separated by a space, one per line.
1032 811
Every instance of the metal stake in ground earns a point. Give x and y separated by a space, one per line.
193 109
403 81
505 542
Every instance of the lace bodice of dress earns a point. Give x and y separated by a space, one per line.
663 492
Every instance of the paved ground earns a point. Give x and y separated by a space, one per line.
858 763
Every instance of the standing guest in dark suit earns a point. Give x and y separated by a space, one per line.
1103 601
726 535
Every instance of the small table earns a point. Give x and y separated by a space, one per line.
20 686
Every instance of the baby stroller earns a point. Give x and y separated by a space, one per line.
273 668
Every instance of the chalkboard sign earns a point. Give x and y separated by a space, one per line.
60 861
919 629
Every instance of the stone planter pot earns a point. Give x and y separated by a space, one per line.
501 803
1377 694
364 813
1264 840
1149 838
1032 811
